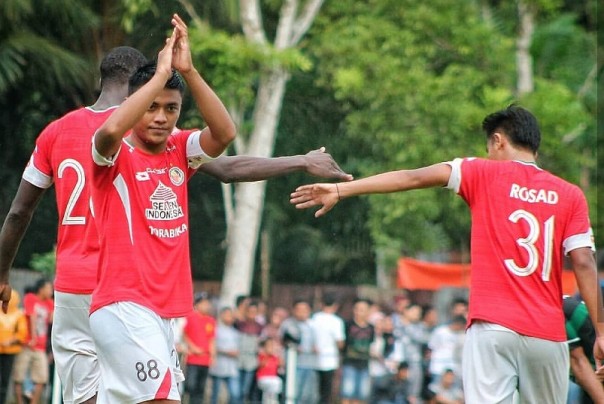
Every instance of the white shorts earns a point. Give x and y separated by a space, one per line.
136 354
497 362
73 348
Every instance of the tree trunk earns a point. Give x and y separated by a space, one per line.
242 234
524 61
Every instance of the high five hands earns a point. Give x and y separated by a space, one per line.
324 195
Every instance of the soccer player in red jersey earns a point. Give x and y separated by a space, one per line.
139 191
60 158
524 220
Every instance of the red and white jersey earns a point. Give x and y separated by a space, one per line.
524 220
141 209
62 156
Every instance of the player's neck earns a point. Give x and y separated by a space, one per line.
148 148
109 98
522 155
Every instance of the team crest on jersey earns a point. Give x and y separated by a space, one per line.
177 176
164 204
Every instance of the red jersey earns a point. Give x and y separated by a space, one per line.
141 209
201 331
42 311
524 220
268 365
62 156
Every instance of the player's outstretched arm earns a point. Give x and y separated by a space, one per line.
327 195
15 225
108 137
247 168
221 130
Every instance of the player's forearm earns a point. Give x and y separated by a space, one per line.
108 137
11 235
16 223
395 181
585 377
245 168
584 266
213 112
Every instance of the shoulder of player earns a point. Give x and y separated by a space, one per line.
79 118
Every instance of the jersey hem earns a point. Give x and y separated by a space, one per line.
525 333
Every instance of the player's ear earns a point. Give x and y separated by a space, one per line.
498 140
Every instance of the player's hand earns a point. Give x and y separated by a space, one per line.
164 58
181 60
600 374
307 196
5 294
321 164
599 352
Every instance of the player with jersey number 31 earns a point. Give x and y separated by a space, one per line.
139 192
523 220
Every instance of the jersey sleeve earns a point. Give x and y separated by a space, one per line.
196 156
455 178
578 233
102 160
38 171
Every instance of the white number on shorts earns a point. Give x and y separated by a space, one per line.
151 371
75 193
528 243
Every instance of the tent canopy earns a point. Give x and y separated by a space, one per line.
414 274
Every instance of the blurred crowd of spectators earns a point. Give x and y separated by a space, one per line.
399 354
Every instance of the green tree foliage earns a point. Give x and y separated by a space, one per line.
383 84
416 87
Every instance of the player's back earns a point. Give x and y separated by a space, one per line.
62 155
524 219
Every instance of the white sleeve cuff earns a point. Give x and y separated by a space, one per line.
455 178
196 156
102 160
36 177
579 241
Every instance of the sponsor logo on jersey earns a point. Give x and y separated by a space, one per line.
145 175
168 233
533 195
142 176
164 204
177 176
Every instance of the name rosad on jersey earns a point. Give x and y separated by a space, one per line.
533 195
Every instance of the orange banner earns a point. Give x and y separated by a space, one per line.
414 274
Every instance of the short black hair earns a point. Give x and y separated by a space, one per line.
300 301
329 299
459 300
40 283
362 300
119 64
240 299
518 124
144 73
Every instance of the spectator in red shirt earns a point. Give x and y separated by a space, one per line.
268 367
199 336
33 358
